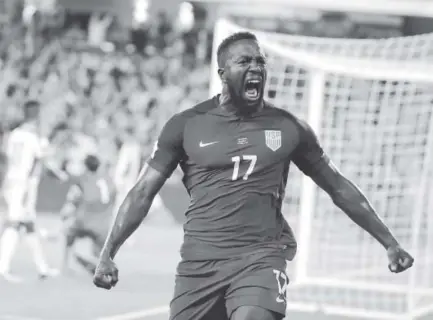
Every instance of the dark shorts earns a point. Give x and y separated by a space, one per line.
80 230
212 290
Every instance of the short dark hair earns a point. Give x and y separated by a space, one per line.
227 42
92 163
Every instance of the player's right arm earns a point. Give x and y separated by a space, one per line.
167 153
134 209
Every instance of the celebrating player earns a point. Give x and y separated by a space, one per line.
87 212
235 151
25 149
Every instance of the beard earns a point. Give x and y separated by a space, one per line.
239 102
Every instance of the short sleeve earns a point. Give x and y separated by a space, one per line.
309 155
168 149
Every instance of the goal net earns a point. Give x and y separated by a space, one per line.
370 103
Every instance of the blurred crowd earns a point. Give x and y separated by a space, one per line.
97 93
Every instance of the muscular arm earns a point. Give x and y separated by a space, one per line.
349 198
310 158
133 209
168 151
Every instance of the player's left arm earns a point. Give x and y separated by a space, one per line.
43 153
312 161
57 172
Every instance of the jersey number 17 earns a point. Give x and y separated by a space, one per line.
252 159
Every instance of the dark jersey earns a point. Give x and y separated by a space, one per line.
235 171
93 196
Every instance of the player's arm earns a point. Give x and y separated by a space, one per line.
134 209
310 158
44 151
167 153
57 172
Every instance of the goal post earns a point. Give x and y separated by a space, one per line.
371 105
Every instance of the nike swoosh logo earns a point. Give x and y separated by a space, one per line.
279 300
207 144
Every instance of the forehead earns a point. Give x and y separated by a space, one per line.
249 48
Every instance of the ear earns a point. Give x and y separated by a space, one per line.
221 74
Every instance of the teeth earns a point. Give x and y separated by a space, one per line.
253 81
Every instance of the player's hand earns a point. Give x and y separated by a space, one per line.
399 259
106 274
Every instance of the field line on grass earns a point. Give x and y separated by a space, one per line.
135 315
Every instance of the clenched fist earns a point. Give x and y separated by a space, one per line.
106 274
399 259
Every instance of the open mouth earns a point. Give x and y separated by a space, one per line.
252 89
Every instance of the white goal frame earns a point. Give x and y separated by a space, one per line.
416 69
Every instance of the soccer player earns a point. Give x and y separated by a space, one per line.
235 150
25 149
87 212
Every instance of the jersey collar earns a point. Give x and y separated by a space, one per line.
230 111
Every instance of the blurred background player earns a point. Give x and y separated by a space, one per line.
87 212
24 149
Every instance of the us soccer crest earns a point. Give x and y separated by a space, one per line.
273 139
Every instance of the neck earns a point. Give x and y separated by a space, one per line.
225 97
